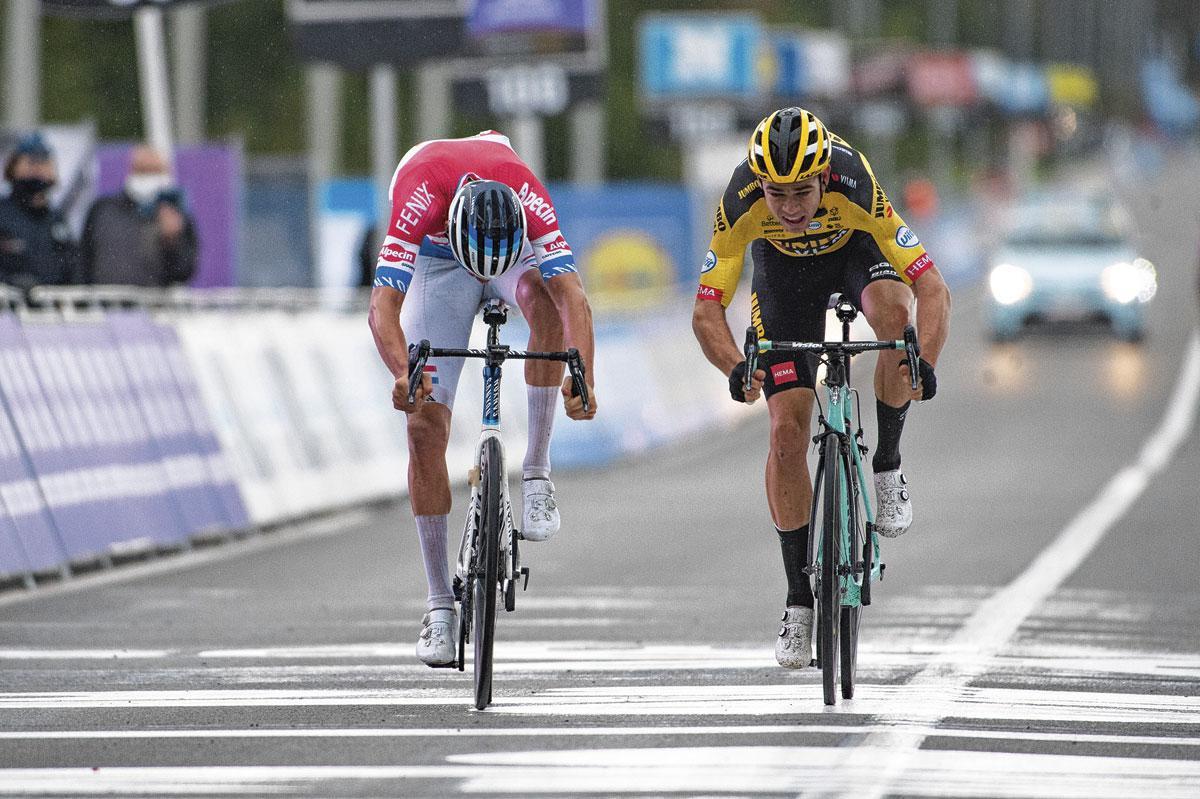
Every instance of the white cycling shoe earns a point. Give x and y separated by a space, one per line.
541 519
437 643
793 647
893 507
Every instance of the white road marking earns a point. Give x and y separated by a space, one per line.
710 771
788 730
881 702
84 654
974 648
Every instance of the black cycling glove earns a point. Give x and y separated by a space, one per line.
927 377
737 382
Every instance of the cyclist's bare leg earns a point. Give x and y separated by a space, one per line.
545 329
429 495
789 487
428 479
887 304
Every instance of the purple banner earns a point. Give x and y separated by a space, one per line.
525 16
235 515
211 178
28 540
140 342
55 452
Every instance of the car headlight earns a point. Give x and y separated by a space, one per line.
1126 282
1010 284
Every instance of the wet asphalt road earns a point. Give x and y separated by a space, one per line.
639 662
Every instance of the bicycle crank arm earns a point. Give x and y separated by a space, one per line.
525 574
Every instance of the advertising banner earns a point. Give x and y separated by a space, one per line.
488 17
234 515
632 241
25 517
152 385
696 56
137 485
1072 84
941 79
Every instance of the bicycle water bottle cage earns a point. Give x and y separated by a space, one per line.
495 312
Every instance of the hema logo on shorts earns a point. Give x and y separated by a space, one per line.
784 373
905 237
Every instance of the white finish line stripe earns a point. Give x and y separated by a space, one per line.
975 647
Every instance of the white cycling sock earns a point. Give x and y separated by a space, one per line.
432 532
542 402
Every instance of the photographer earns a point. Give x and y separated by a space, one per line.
142 236
36 246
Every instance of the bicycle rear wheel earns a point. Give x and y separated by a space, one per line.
852 613
487 566
849 636
828 586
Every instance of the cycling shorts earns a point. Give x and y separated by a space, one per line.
441 305
791 296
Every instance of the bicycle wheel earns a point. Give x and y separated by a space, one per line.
849 636
487 562
829 589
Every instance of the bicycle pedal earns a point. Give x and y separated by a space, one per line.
525 574
451 665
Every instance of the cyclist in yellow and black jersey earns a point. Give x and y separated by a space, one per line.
817 222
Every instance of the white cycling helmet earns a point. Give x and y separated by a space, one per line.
486 227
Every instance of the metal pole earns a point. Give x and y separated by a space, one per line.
22 64
324 145
528 140
384 134
189 33
152 70
587 138
433 101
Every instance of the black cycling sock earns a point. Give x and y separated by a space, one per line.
794 544
891 425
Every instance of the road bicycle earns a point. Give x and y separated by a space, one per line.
489 562
843 547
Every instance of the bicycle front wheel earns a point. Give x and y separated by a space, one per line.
487 566
829 593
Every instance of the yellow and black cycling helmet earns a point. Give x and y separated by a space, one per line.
789 145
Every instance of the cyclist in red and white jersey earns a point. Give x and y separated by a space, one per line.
470 221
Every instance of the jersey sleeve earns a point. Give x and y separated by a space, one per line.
417 209
550 248
723 263
895 239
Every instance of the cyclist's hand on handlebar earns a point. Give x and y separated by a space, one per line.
737 381
926 380
400 393
574 404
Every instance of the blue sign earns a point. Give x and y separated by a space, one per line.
1026 91
791 78
530 16
694 56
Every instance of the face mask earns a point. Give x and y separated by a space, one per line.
144 189
24 189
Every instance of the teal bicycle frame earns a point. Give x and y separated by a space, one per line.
843 578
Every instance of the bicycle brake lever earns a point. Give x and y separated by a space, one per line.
750 350
417 357
578 383
912 351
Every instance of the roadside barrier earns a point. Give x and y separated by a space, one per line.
134 422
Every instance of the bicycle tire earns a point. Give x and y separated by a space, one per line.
486 589
829 595
849 648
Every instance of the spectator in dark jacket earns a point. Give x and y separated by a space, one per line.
142 236
36 245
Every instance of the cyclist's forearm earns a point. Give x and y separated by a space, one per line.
715 337
384 319
933 315
576 315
